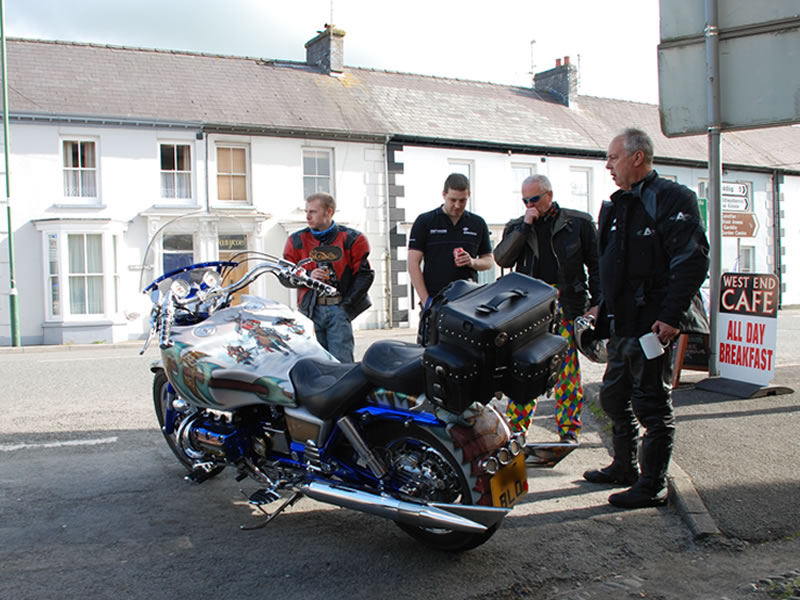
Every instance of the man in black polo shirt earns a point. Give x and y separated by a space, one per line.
453 242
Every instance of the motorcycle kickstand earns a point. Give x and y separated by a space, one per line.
269 516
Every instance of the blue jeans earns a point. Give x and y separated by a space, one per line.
334 331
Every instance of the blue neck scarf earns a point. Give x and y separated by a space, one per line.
318 235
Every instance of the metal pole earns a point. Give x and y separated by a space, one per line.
12 290
714 174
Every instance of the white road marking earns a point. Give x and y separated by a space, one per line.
51 360
94 442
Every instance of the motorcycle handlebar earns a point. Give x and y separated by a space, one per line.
285 271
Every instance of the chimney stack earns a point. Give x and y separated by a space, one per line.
327 49
561 82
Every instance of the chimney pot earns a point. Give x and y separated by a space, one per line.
327 49
561 82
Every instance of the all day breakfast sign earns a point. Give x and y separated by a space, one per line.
748 327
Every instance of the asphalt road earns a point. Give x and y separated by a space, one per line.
93 505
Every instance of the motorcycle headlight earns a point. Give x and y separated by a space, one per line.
180 288
211 278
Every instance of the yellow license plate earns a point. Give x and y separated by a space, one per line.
510 483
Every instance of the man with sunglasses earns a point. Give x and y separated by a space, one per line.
558 246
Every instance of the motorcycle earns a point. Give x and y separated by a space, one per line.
247 386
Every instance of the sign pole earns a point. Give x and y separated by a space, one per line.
714 176
12 292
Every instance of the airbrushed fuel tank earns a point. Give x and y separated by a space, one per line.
241 355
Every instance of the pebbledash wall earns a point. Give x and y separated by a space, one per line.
380 189
113 229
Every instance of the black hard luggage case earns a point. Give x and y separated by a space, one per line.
455 378
535 367
497 318
478 335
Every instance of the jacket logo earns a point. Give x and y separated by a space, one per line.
646 232
681 216
613 226
326 253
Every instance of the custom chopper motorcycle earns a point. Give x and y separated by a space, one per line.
408 433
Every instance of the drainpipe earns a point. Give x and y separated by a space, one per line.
777 179
388 267
208 198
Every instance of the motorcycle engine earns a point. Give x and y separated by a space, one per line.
222 440
424 474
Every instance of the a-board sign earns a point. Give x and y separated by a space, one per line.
748 326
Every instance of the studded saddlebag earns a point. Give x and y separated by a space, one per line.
477 335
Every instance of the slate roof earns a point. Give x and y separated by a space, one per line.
57 79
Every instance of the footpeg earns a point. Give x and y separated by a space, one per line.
200 473
269 516
261 497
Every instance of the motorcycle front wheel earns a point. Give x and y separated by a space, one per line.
422 467
162 399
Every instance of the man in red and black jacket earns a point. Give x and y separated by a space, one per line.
339 258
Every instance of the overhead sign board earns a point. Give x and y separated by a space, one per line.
748 327
759 62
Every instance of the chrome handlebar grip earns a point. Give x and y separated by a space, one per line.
165 324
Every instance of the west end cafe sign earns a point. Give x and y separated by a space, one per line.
748 327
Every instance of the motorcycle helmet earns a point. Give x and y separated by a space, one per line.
593 349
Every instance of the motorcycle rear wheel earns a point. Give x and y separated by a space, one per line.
411 452
162 398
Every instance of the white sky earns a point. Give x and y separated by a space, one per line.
613 41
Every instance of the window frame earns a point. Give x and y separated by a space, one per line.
456 165
516 191
164 252
190 199
218 145
331 179
80 199
86 275
749 251
586 202
59 234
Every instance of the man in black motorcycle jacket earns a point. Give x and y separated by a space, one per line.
653 259
558 246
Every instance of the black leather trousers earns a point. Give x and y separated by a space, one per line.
637 391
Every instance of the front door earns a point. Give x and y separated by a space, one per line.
232 247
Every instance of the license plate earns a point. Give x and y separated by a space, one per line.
510 483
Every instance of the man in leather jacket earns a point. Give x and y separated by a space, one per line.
653 259
558 246
339 258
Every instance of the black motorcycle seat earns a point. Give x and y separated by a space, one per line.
395 365
326 388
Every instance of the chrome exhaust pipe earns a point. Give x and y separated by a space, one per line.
457 517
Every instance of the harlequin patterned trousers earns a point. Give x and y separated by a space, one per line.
568 392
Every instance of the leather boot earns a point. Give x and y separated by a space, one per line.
641 495
615 473
623 471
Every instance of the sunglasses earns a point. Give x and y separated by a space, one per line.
533 198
